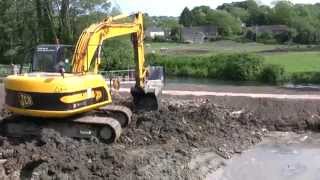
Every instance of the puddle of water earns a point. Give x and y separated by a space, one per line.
273 161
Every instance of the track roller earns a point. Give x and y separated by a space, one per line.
110 132
106 124
120 113
108 129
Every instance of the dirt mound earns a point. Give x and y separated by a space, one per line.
157 145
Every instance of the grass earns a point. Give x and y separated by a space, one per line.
295 62
292 61
209 48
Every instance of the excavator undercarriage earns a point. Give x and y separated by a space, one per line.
105 124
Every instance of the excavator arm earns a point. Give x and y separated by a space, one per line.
87 55
88 48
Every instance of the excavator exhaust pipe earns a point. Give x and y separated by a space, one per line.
148 98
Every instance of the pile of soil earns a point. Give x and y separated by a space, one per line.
157 145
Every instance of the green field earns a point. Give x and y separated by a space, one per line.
291 61
212 48
208 48
296 61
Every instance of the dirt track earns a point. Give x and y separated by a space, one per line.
160 145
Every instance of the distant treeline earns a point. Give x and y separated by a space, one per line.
230 18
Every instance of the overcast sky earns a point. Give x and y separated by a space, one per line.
175 7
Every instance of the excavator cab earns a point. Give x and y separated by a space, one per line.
52 58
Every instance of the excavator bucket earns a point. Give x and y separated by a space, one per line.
147 98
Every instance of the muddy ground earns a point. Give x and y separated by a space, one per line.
159 145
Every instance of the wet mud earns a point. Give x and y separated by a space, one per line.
158 145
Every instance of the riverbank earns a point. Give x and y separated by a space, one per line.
280 63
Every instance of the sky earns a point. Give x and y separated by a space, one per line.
175 7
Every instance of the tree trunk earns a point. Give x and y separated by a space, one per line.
65 30
47 31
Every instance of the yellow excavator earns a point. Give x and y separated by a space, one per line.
73 98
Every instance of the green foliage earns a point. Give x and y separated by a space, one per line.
164 22
200 14
236 67
283 13
296 61
226 23
175 34
159 39
117 54
240 13
267 38
27 23
186 17
18 29
203 15
239 67
273 74
302 19
249 12
306 78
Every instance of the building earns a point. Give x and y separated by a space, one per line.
199 34
153 32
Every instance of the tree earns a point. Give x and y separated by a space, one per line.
283 13
175 34
65 23
240 13
199 15
47 30
186 17
203 15
226 23
26 23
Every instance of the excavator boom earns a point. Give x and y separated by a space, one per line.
90 42
88 48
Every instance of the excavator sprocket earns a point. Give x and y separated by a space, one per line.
102 124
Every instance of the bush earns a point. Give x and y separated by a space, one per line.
306 78
238 67
251 35
235 67
117 53
159 39
282 37
272 74
266 38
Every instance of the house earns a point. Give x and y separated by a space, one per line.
272 29
153 32
199 34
